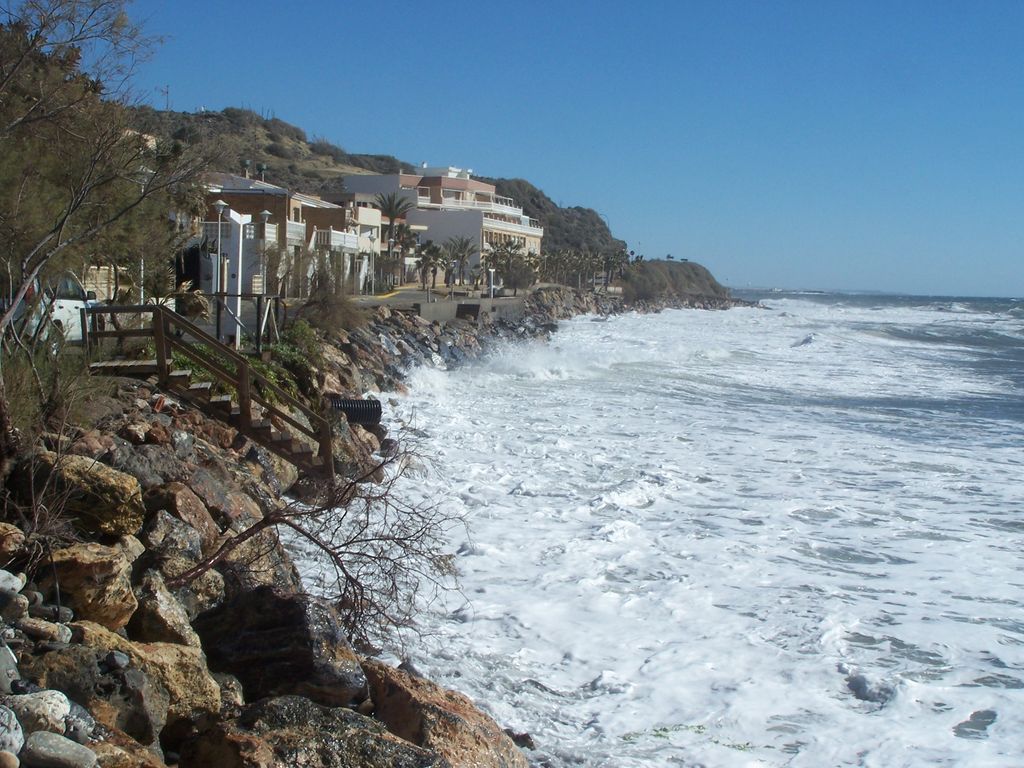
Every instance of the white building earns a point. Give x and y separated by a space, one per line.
450 203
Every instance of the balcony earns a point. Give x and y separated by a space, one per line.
296 232
454 200
334 240
525 226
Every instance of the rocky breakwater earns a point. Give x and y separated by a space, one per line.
109 657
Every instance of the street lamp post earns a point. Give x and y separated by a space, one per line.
373 252
491 270
391 254
216 285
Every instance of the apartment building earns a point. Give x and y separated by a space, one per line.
449 202
292 230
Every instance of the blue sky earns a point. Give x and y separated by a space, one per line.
822 145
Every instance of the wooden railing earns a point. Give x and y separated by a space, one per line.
173 333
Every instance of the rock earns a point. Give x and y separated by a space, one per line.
443 721
50 750
279 643
8 669
9 759
119 750
79 724
58 613
152 465
230 508
160 617
133 548
104 500
232 697
12 737
119 697
13 605
180 501
11 541
201 594
42 711
180 669
293 731
135 432
96 580
260 561
167 534
10 583
116 660
46 631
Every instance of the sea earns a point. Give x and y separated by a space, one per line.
789 535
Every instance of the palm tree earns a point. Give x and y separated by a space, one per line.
459 249
393 206
515 269
430 257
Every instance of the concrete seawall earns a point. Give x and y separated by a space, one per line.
507 309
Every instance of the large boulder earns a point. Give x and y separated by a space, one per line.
180 501
280 643
119 694
95 581
180 669
160 617
291 731
102 499
440 720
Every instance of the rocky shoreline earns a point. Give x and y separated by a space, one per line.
109 658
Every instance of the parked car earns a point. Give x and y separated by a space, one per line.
59 302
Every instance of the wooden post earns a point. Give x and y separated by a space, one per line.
163 350
326 448
85 331
244 396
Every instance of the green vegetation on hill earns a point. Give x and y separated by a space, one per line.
654 280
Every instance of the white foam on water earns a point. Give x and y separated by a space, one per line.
692 542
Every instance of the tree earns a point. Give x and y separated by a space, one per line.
393 206
459 250
514 266
430 257
73 169
376 553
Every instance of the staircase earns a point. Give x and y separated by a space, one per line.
255 406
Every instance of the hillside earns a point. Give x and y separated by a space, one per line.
316 166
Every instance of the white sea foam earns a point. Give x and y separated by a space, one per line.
694 540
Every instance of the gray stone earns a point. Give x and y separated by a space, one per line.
58 613
116 660
50 750
166 533
8 669
79 724
42 711
12 737
9 582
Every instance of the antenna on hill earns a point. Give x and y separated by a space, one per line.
166 91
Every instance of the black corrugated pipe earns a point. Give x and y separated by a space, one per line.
362 412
